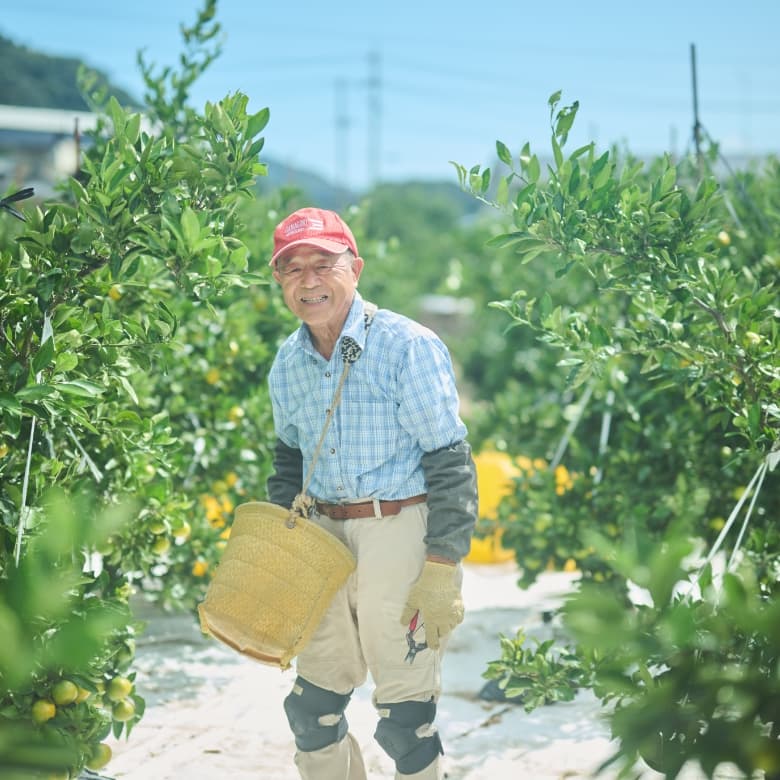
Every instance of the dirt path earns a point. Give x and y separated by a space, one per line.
213 715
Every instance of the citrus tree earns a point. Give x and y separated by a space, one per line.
100 395
667 385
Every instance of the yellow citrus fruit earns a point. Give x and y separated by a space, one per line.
101 755
3 450
118 688
212 376
115 292
724 238
199 568
123 710
126 652
236 413
43 710
183 531
158 527
161 545
717 523
64 692
83 695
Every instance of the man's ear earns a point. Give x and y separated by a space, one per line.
357 267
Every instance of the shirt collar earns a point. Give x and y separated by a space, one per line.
354 328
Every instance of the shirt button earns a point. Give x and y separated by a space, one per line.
332 451
327 373
340 487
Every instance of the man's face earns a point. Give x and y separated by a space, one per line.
318 287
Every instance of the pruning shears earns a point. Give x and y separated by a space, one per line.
414 646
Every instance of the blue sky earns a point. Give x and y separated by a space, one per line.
452 76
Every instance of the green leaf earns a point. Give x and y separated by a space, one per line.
43 356
601 178
133 128
79 387
10 403
125 382
485 180
754 419
503 153
257 122
117 114
525 194
530 247
502 191
34 392
557 153
668 180
505 239
533 169
65 361
190 227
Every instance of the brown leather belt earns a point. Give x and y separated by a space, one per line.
367 508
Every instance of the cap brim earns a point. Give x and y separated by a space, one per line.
334 247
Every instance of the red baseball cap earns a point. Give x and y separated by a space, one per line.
313 227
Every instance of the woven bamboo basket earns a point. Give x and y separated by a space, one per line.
277 576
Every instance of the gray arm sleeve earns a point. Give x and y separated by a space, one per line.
452 500
287 480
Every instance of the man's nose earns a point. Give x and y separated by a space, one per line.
309 273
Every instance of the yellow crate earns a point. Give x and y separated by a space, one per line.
488 549
495 479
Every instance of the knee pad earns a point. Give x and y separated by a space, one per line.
315 715
407 734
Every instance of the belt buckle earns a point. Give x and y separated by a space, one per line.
377 509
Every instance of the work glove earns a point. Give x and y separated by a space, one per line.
436 596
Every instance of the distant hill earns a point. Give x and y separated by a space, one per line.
29 78
317 188
324 194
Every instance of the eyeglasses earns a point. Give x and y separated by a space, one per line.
295 270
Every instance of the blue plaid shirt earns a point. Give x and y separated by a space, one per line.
399 401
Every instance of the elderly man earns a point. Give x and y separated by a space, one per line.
393 479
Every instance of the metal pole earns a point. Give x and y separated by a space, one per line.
696 123
374 116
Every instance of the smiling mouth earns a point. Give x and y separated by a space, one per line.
318 299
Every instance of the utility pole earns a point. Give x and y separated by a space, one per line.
696 123
374 124
341 128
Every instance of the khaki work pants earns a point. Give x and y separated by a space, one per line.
361 633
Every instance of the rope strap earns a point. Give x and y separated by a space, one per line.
303 503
